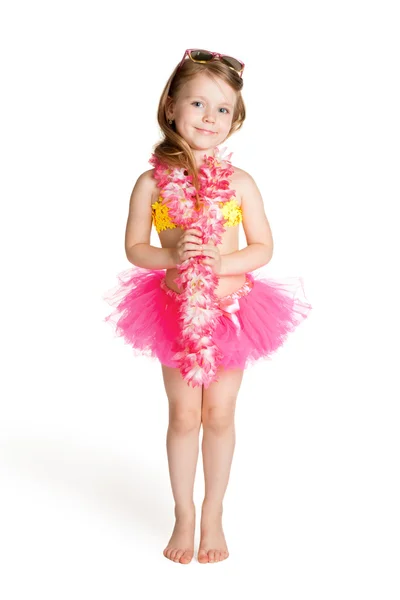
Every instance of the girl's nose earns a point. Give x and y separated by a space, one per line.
209 117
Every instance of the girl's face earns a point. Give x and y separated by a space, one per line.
203 112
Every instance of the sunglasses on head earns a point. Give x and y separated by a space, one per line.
205 56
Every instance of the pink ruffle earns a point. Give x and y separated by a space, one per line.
253 323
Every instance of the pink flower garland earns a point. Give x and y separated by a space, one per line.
199 357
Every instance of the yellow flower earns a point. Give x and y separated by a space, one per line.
160 216
232 212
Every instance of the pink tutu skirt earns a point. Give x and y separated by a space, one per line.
255 322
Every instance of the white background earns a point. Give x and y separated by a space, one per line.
86 507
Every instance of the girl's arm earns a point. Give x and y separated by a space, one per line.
138 229
260 245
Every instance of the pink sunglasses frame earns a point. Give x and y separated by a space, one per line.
214 54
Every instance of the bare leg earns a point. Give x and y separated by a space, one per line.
218 412
182 449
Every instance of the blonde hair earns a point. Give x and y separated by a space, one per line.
173 149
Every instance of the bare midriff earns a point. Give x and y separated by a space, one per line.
229 243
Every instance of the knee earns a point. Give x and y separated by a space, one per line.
184 420
217 418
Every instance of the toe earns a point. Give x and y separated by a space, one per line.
178 555
171 555
202 556
186 556
211 555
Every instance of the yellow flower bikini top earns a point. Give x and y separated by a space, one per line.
161 220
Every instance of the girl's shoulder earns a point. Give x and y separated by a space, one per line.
147 178
147 185
240 174
240 180
147 175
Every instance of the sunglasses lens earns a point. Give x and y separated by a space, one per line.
201 55
206 56
232 62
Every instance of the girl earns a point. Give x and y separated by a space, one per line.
195 303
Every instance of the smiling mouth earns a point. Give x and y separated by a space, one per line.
205 130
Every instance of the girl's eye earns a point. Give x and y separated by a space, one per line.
199 102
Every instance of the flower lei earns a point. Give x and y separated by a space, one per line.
198 356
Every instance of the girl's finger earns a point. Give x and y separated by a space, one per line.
193 238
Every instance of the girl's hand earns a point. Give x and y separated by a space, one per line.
212 257
189 245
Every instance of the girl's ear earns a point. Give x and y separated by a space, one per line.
169 108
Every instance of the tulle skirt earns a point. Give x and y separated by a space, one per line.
255 321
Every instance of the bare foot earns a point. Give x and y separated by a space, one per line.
180 547
213 546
